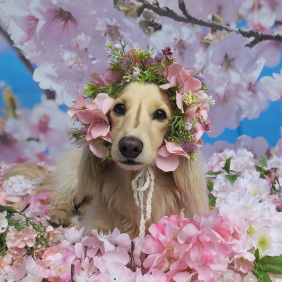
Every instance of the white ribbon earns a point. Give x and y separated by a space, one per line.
143 180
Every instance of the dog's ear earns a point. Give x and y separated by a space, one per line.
190 178
90 168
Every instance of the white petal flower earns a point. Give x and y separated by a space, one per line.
3 221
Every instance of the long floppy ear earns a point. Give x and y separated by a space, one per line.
90 167
190 178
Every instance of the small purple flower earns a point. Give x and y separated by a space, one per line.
83 131
125 63
190 148
109 54
78 136
207 127
167 51
158 57
149 61
136 71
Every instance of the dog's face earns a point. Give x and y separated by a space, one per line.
139 119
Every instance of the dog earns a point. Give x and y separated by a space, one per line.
139 118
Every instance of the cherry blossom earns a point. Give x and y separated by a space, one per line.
31 271
181 38
273 86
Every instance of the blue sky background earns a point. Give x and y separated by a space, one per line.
28 93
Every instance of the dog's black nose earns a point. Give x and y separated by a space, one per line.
130 147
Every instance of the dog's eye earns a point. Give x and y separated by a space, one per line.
119 109
159 114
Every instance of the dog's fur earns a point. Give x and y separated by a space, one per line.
77 174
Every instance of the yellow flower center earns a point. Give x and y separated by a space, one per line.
264 242
251 230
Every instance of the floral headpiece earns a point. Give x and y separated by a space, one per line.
184 87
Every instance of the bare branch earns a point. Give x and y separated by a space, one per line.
258 36
278 23
50 94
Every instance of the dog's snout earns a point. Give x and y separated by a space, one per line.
130 147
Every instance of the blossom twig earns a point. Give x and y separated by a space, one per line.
50 94
258 36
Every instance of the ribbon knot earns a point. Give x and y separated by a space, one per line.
144 179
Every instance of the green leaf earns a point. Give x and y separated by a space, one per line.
262 160
262 276
8 209
212 202
227 165
231 178
257 254
261 170
210 185
271 264
214 172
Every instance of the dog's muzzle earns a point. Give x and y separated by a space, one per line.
130 147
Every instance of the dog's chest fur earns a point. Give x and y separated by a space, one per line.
114 199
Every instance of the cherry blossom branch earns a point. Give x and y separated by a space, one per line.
258 36
50 94
278 23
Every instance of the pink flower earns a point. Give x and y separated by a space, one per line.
181 78
73 235
5 264
53 235
11 238
15 252
26 238
80 105
116 272
244 262
99 126
107 78
168 156
31 271
62 267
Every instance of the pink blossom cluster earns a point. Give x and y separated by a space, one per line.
215 247
26 135
186 82
92 115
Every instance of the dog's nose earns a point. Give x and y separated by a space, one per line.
130 147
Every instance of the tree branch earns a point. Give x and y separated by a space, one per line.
278 23
50 94
258 36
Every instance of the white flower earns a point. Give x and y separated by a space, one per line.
212 102
117 46
268 241
250 278
3 222
188 126
18 186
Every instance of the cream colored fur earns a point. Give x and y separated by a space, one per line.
77 174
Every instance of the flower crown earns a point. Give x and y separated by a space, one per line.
184 87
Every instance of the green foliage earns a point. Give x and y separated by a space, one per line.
261 276
261 170
18 223
231 178
262 160
214 172
210 185
256 254
270 264
265 265
227 165
212 202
